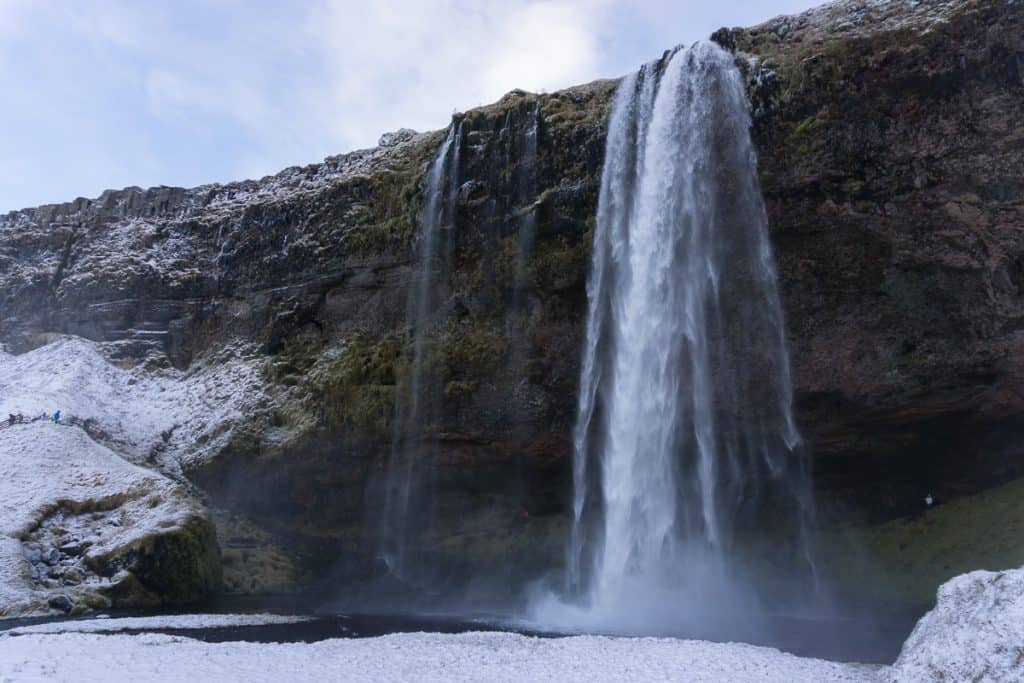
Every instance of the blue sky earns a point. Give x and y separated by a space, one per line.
105 94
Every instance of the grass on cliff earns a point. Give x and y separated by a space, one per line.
903 562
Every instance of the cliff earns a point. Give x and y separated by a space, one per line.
891 156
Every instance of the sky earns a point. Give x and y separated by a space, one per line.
105 94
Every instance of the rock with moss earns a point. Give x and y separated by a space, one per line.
82 529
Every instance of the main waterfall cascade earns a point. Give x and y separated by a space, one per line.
686 449
407 491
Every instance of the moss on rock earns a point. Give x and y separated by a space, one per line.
182 566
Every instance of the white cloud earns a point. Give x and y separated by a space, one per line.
412 63
108 93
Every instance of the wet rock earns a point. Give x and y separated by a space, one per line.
73 576
62 603
71 548
725 38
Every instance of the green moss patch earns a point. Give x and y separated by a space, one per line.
904 561
356 382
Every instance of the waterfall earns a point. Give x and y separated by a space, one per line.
525 193
685 443
408 495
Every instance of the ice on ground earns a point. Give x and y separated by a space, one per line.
145 412
975 633
164 621
409 657
106 506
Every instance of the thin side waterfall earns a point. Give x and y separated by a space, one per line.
408 492
525 195
522 157
686 451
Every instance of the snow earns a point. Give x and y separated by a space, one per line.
134 405
44 466
408 656
166 621
975 633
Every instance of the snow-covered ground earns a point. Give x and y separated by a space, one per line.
408 657
104 506
975 633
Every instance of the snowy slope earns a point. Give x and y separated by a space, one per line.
134 405
111 505
409 657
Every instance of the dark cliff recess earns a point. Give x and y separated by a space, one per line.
891 156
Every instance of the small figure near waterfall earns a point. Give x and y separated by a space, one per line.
928 500
56 417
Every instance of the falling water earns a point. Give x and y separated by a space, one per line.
407 501
525 194
685 443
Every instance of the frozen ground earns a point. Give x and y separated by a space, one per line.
408 657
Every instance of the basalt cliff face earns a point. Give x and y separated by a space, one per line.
890 146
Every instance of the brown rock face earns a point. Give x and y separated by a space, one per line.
891 152
892 158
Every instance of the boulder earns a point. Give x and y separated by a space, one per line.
974 633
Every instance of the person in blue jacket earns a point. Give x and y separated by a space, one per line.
56 417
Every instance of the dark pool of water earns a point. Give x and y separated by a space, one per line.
848 640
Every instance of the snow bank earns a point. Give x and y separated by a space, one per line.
105 507
975 633
409 657
164 621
